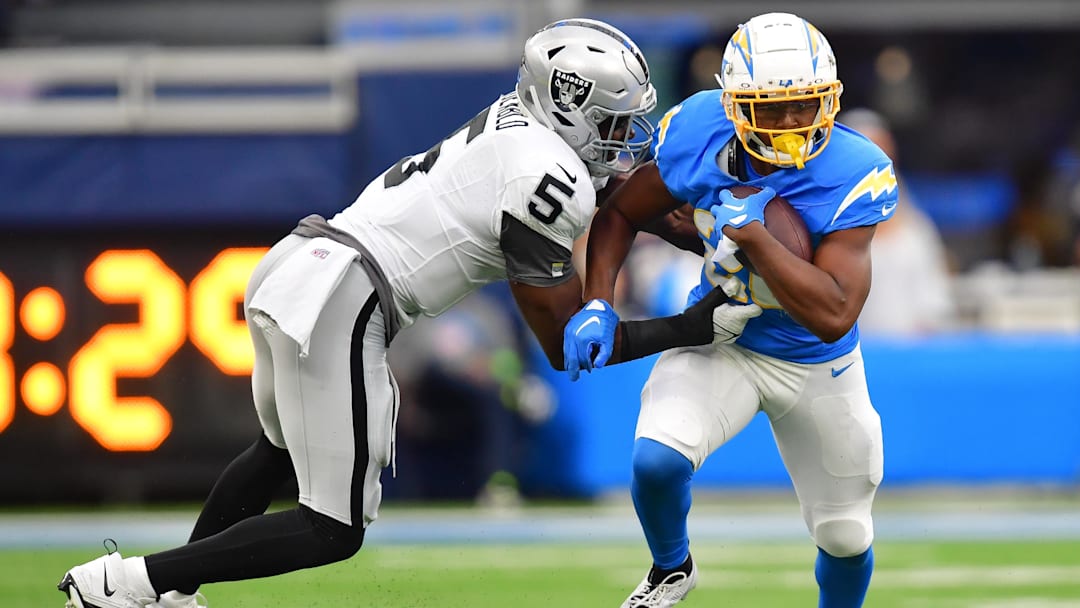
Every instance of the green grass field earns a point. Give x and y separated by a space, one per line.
908 575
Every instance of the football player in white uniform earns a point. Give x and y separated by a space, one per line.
503 197
794 351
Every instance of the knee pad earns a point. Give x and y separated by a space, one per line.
657 464
843 537
341 540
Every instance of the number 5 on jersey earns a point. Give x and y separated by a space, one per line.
544 205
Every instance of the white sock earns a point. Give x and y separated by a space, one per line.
137 578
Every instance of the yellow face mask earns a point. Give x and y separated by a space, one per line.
784 127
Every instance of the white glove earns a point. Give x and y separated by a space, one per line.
724 254
732 286
729 321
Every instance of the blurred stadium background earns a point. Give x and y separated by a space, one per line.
151 150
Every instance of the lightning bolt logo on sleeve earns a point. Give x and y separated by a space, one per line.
665 122
877 182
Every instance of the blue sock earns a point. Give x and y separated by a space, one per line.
843 581
661 492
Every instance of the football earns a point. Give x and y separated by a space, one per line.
783 222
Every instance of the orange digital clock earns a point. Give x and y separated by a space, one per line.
168 313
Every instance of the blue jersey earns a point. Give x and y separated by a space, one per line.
851 183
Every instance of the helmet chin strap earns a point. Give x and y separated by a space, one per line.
597 169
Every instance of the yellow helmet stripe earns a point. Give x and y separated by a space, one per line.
741 40
814 37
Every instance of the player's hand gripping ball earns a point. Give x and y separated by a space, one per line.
738 211
784 224
731 211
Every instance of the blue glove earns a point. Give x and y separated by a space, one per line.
740 211
591 328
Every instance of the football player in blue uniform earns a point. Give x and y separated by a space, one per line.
771 125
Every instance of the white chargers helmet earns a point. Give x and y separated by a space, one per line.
779 58
590 84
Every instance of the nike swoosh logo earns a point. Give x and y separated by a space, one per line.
572 178
887 209
586 324
108 592
733 207
837 372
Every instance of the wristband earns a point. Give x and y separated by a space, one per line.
644 338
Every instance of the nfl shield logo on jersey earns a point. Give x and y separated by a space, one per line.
569 90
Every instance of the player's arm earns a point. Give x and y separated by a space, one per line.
640 202
547 305
826 296
546 311
677 227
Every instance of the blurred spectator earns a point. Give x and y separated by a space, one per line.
910 292
660 276
5 21
467 404
1064 199
1045 229
1029 229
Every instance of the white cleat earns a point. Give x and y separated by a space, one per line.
101 583
175 599
664 594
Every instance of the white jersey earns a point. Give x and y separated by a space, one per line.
501 197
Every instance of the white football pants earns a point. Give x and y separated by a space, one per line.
826 429
334 410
